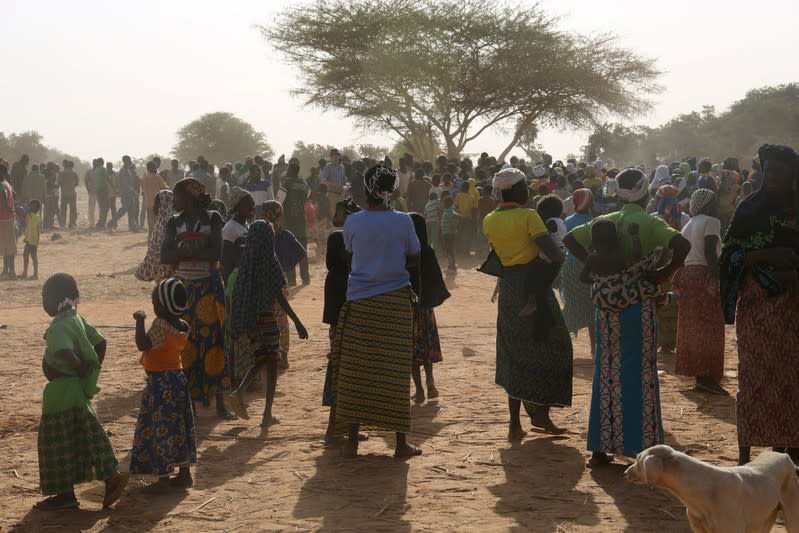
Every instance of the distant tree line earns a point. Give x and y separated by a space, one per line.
765 115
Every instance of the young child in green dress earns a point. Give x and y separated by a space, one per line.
73 446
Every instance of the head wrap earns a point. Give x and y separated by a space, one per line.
151 268
685 169
260 277
539 172
583 199
570 168
639 190
599 164
380 182
273 212
191 186
662 175
700 199
505 179
668 208
237 194
775 152
172 295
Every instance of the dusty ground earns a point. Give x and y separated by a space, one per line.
469 478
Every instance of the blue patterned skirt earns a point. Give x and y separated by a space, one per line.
625 401
165 436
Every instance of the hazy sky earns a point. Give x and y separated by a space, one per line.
103 78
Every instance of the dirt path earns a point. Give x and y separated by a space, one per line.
468 479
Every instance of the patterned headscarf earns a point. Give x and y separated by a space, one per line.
583 200
700 199
260 277
151 268
381 182
172 295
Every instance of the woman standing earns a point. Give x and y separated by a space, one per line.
625 402
700 327
534 367
373 348
193 245
578 311
759 279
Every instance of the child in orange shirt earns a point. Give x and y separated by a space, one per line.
165 437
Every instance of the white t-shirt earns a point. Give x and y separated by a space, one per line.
695 231
233 231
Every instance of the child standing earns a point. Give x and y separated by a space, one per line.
449 231
33 229
259 285
73 446
429 286
432 216
165 437
289 252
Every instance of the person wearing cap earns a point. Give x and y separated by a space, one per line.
334 176
625 414
165 437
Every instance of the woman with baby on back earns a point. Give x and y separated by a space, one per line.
625 415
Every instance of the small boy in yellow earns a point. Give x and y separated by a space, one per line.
33 227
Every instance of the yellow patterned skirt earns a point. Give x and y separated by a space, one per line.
372 355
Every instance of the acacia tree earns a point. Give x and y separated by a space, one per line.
456 69
220 137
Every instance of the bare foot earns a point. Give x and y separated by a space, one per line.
528 310
432 391
350 449
544 422
268 421
407 450
419 396
237 404
114 488
516 434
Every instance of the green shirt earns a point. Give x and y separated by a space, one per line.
100 180
69 331
653 231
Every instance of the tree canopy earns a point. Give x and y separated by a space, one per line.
449 70
14 145
767 114
220 137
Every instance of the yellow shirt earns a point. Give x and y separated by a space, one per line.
512 231
464 204
150 185
32 227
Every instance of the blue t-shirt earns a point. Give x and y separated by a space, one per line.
379 242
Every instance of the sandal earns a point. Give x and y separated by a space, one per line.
57 503
409 451
599 459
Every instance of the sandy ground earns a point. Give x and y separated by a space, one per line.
469 477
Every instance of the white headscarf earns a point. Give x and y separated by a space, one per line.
639 191
662 174
507 178
539 172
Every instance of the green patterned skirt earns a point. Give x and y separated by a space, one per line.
73 448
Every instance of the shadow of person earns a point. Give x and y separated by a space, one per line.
539 491
364 494
143 512
715 406
643 509
584 368
66 521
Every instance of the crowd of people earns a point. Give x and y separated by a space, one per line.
643 260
